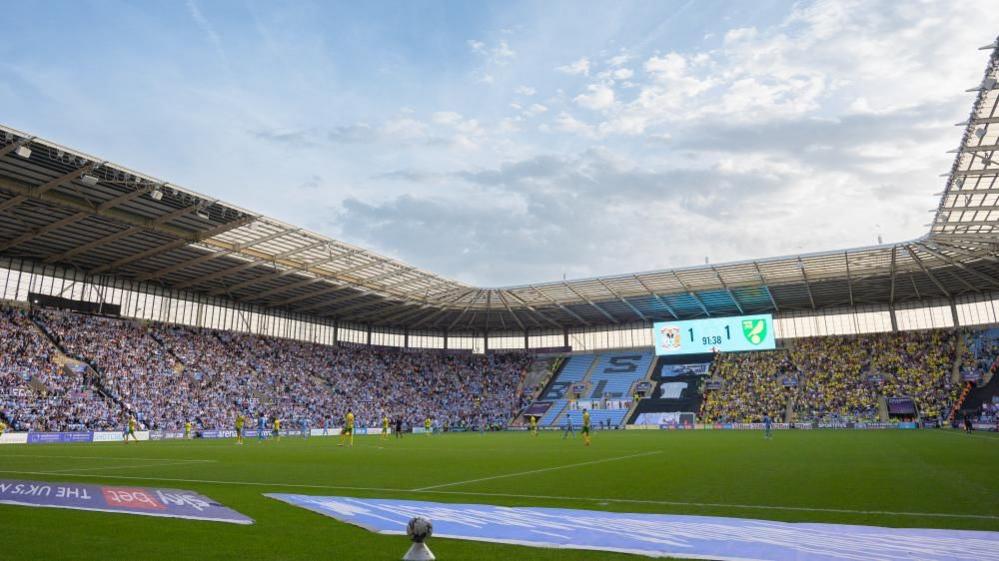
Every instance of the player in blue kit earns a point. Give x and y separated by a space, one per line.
767 427
261 427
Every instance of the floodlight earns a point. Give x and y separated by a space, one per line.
23 151
156 194
89 180
202 215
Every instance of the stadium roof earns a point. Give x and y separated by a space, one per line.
61 206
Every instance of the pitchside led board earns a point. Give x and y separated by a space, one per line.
739 333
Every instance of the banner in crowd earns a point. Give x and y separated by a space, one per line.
596 404
538 408
660 418
659 535
170 503
971 375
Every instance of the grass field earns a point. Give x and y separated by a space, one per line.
933 479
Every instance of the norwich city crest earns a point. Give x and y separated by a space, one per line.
755 330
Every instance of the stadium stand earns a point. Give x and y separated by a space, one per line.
38 393
167 375
751 386
611 382
838 377
558 392
980 400
676 395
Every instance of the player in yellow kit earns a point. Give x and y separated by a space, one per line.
385 427
276 431
3 427
534 425
586 427
130 431
348 429
187 430
428 426
240 421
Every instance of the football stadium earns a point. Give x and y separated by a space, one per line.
183 378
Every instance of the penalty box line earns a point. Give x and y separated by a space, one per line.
523 496
533 471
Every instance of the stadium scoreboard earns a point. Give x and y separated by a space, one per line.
738 333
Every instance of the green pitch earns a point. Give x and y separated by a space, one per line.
936 479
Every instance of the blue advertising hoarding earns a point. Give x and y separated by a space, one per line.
737 333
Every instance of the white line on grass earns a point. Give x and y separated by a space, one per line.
70 471
541 470
5 456
521 496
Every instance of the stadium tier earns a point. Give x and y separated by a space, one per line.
169 375
608 393
65 371
559 390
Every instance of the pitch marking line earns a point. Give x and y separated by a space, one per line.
74 470
520 496
5 456
542 470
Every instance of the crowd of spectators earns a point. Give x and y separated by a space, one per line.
168 375
752 386
835 382
36 393
837 378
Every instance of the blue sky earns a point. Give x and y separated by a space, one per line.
514 142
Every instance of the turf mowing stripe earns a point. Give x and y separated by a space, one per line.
520 496
533 471
3 456
178 463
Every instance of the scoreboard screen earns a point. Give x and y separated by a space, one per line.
738 333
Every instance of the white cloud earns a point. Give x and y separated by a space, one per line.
600 96
405 128
449 118
569 124
476 46
622 73
525 91
580 67
619 60
502 52
536 109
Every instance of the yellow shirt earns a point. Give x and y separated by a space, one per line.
350 420
187 427
239 422
534 420
426 423
131 424
277 424
586 418
385 422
